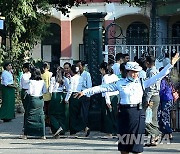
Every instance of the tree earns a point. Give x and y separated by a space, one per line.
26 21
24 24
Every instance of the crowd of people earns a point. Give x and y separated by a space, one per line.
60 99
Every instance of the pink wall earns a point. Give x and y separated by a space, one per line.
66 41
108 22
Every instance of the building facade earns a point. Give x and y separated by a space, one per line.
138 26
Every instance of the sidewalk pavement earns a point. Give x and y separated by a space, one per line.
94 144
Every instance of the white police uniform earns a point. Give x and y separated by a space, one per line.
130 91
131 119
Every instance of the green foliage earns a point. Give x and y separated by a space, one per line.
135 2
25 25
26 22
3 55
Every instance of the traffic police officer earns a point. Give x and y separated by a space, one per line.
131 118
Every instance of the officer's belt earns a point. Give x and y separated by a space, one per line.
129 105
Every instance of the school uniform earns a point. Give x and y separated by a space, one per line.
46 76
58 109
109 120
87 83
131 118
116 68
76 121
35 124
24 85
8 97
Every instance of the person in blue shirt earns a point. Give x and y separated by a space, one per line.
8 94
165 106
131 117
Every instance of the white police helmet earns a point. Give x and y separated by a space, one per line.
133 66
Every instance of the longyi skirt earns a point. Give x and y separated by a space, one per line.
58 112
109 116
131 129
35 122
8 103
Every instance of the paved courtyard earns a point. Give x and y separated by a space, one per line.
94 144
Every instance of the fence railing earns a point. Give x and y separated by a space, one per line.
141 50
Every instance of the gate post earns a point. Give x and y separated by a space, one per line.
95 57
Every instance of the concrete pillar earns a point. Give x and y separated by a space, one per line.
66 42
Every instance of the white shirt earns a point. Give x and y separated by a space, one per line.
87 82
130 92
148 115
142 74
37 88
55 87
75 85
116 68
7 78
109 79
24 81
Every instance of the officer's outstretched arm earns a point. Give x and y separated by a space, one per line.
165 71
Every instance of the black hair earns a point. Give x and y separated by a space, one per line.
135 58
83 63
35 74
150 59
6 64
45 66
119 56
106 67
67 63
126 54
142 62
60 75
123 70
74 69
54 69
27 66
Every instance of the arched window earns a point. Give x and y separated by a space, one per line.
137 34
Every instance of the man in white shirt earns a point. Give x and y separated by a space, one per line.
87 83
116 66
